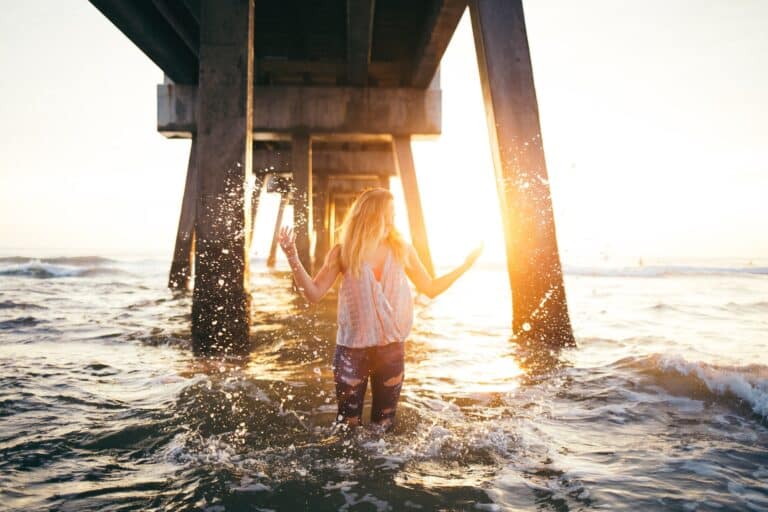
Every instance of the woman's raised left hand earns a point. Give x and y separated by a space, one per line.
472 257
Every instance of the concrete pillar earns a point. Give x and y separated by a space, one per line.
407 172
540 312
278 222
221 302
258 183
322 234
301 149
183 253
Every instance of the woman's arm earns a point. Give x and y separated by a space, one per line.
434 286
313 289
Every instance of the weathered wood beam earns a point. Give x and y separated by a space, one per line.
407 171
220 301
143 24
540 310
359 35
183 253
440 26
333 111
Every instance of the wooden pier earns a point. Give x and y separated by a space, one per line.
317 101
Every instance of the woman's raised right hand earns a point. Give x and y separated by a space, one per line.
287 241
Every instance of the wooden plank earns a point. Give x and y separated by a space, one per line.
407 172
359 36
538 295
440 26
183 253
220 301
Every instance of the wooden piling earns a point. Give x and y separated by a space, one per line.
221 302
183 253
302 196
407 172
540 312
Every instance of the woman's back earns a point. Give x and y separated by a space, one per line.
374 311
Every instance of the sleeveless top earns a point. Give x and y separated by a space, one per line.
374 313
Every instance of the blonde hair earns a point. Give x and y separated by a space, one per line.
364 226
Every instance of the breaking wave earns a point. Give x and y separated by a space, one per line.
733 384
43 269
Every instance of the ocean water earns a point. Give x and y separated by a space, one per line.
663 405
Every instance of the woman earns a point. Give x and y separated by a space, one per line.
375 308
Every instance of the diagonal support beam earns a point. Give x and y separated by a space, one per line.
359 36
437 33
183 253
407 171
272 258
540 311
302 197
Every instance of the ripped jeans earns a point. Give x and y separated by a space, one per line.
351 369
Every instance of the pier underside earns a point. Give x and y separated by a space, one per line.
317 101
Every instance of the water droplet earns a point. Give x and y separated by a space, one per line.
526 326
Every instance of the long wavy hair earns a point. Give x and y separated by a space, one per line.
364 225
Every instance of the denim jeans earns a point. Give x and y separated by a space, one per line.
352 367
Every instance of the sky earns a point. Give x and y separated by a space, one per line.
654 119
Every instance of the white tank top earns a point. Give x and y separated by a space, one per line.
374 313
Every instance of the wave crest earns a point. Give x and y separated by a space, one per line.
42 270
748 383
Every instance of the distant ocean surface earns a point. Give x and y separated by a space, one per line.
662 406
